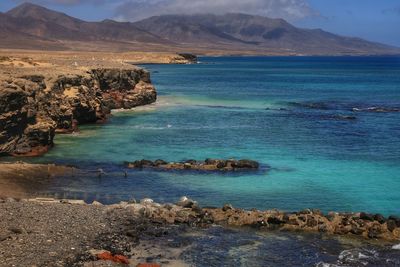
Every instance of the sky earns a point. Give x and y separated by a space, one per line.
374 20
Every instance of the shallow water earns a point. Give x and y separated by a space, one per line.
218 246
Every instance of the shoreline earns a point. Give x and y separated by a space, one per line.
362 224
44 94
52 232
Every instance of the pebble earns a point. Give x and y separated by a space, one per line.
16 230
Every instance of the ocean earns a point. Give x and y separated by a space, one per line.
326 131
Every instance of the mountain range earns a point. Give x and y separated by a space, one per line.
30 26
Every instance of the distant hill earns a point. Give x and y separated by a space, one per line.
32 26
45 23
256 32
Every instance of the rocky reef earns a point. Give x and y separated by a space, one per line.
206 165
35 107
187 211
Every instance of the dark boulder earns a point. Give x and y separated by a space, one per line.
245 164
380 218
159 162
274 220
396 219
391 225
366 216
142 163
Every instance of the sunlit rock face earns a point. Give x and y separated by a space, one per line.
34 107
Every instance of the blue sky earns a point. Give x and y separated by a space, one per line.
375 20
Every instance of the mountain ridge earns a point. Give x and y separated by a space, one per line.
33 26
270 33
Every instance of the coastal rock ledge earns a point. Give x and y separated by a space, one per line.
187 211
206 165
35 107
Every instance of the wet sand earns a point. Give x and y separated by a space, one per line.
19 179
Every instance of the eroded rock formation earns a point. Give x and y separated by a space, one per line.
34 107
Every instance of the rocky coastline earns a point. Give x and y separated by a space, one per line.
92 234
189 212
42 94
34 107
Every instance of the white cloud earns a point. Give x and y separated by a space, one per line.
132 10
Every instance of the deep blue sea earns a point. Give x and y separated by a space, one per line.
326 131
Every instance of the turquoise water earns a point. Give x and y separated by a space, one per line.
288 113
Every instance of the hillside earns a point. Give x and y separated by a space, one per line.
256 33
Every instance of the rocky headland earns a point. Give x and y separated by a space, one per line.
34 107
206 165
45 94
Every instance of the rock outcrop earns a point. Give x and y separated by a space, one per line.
190 58
34 107
206 165
186 211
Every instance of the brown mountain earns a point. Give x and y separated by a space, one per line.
256 33
33 26
12 37
188 30
43 23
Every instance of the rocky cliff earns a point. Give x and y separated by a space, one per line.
35 107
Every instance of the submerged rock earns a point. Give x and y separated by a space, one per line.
206 165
